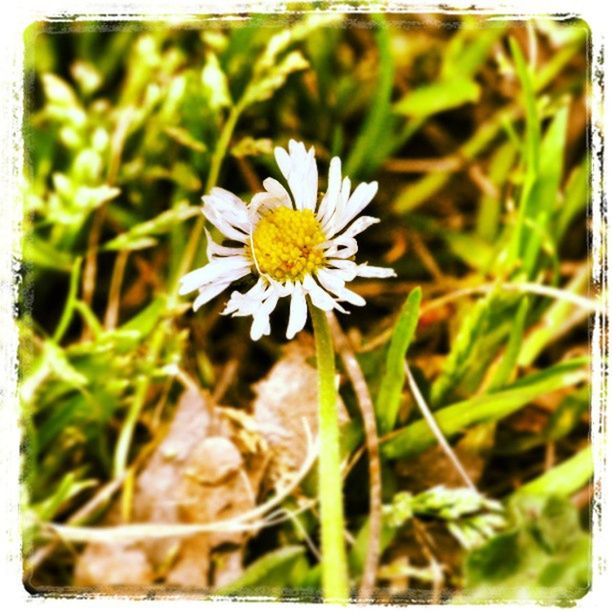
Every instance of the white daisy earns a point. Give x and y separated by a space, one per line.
296 247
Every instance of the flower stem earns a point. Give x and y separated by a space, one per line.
334 563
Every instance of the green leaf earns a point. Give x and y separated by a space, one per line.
272 570
438 97
417 437
146 320
390 392
368 151
141 235
471 248
252 147
556 321
465 343
575 198
490 206
465 58
70 486
564 479
61 366
43 253
184 137
545 557
543 199
264 87
280 42
215 84
58 91
505 369
530 155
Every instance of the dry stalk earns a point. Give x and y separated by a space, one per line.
369 424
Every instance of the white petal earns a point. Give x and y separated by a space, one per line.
374 271
297 311
222 223
361 197
344 249
334 283
260 204
330 199
214 250
209 292
245 304
273 187
359 225
283 160
332 226
310 185
299 168
230 206
260 326
261 318
220 270
344 268
321 299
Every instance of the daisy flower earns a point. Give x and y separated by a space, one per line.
296 245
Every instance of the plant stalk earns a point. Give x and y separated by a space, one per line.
334 561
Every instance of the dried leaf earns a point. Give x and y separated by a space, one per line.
196 475
287 402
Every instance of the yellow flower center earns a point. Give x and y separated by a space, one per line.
287 244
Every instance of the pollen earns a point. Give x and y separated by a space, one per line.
287 244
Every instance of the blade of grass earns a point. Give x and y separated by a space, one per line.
575 197
420 191
417 437
389 394
531 145
555 320
367 151
489 208
437 97
506 367
68 311
562 480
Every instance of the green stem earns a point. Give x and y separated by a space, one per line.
66 317
334 563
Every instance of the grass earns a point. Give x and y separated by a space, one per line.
478 145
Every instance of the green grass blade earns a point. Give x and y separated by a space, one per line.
417 437
543 198
555 321
390 392
437 97
575 198
270 570
530 149
473 327
364 157
562 480
490 206
504 371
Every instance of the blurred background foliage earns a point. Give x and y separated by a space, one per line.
477 131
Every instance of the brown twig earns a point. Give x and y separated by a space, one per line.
424 254
91 260
366 407
112 309
250 176
424 539
416 166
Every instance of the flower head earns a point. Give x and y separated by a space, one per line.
296 246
